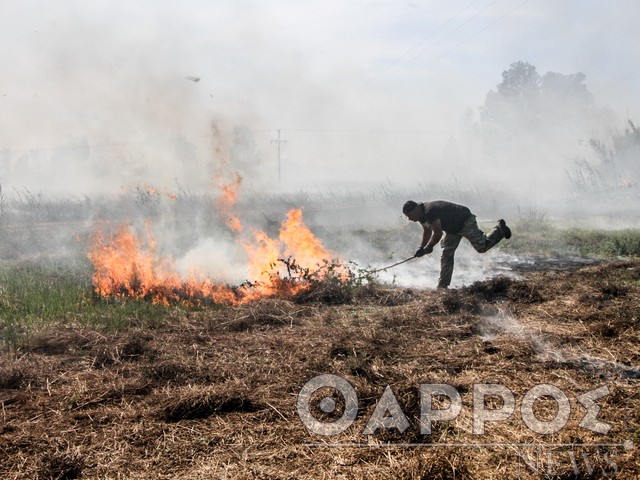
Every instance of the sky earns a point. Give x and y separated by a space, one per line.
98 95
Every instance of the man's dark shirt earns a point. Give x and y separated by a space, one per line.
452 216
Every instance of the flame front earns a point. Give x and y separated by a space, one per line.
300 242
126 266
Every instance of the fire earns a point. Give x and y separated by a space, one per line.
129 266
263 253
125 265
296 242
227 199
301 243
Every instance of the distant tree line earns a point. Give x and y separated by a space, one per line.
545 129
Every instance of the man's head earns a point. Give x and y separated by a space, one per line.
411 210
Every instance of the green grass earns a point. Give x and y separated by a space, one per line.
34 297
540 237
536 237
622 243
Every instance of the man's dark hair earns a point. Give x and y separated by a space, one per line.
408 206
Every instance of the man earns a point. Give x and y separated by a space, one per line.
456 221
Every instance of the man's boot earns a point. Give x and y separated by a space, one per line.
505 230
494 236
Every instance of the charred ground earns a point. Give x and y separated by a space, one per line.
211 393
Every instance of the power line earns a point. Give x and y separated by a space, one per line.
458 45
420 43
415 57
368 132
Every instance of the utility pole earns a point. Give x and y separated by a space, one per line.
278 142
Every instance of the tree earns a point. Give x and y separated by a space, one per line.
525 95
521 81
531 127
516 94
568 87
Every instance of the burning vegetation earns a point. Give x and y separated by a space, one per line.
128 265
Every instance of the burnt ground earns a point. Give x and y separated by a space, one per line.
212 393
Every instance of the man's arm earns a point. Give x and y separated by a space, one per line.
430 237
426 235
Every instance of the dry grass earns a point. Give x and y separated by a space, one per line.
212 394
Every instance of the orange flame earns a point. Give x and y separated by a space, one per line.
126 266
300 243
226 201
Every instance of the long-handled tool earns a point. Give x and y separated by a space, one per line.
391 266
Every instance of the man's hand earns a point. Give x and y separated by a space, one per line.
423 251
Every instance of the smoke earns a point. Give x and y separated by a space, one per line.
99 96
99 100
220 261
506 324
115 112
509 325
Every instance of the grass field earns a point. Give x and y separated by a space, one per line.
123 388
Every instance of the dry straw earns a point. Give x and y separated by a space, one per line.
212 393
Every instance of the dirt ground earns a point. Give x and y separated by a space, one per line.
213 393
